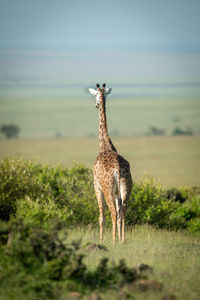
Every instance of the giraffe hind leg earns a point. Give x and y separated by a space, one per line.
101 215
110 200
100 200
123 223
118 203
124 196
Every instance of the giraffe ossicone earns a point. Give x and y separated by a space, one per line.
112 176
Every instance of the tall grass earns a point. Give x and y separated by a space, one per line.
174 256
48 264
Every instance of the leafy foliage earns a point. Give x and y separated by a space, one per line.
50 265
41 195
149 204
187 215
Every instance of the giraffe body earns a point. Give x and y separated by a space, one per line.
112 177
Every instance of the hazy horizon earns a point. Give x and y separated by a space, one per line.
59 73
140 48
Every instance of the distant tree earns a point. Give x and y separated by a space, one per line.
91 135
58 134
115 133
156 131
10 130
179 131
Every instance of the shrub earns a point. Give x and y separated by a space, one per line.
176 195
10 130
153 130
194 225
43 264
187 215
17 179
149 204
42 194
179 131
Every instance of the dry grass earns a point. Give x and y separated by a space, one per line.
173 160
79 117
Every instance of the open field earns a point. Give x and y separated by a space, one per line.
174 256
79 117
173 160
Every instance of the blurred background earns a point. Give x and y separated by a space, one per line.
148 52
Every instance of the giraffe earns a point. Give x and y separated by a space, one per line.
112 176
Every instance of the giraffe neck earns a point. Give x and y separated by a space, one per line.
104 140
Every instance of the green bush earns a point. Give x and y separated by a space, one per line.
180 131
43 264
149 204
187 215
42 194
194 225
176 195
17 179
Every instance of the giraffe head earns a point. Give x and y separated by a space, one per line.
100 94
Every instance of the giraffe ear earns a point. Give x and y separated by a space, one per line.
108 91
93 92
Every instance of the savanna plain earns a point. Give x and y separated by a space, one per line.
65 131
174 161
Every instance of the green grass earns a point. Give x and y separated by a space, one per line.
79 118
174 256
172 160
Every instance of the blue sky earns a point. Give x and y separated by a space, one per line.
130 24
115 41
